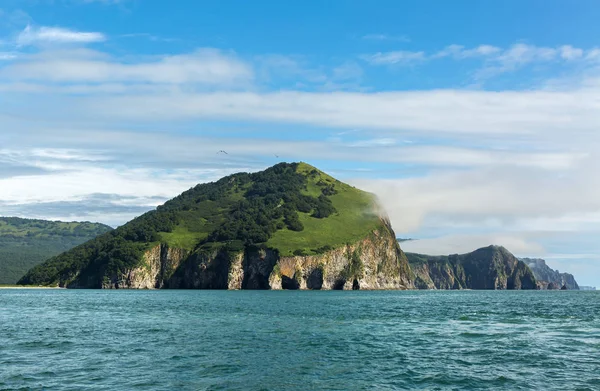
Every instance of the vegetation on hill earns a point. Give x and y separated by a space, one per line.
291 207
26 243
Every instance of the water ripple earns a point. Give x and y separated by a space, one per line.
213 340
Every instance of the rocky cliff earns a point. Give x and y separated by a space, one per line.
376 262
491 267
290 226
548 278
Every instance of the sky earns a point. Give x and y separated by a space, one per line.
475 122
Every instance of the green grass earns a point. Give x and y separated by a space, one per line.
195 225
354 220
182 238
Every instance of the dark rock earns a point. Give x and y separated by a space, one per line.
315 279
546 275
289 283
491 267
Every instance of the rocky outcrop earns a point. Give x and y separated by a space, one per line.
437 273
373 263
376 262
491 267
547 277
157 266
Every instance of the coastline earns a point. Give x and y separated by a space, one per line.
28 287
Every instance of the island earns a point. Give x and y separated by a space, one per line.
290 226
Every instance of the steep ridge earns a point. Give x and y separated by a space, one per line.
490 267
288 227
25 243
548 278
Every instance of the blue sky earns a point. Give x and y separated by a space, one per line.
475 122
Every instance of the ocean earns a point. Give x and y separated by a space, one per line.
299 340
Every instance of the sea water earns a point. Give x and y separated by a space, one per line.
299 340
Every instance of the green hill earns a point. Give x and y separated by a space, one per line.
259 221
26 243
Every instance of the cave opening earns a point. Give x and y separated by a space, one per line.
289 283
315 279
338 285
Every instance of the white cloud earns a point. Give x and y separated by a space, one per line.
593 54
521 54
461 244
377 142
525 113
7 56
32 35
397 57
207 66
459 52
568 52
488 197
296 68
73 174
496 60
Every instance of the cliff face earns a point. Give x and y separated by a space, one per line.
373 263
156 267
548 278
376 262
487 268
438 273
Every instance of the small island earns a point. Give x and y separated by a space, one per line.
289 227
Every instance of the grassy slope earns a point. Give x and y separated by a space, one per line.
25 243
354 220
195 225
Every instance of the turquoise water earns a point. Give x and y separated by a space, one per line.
292 340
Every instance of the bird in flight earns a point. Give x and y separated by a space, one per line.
221 151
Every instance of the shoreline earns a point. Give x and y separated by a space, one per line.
28 287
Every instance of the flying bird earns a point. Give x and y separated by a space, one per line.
221 151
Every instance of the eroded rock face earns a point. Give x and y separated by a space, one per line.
487 268
373 263
157 266
376 262
438 274
547 277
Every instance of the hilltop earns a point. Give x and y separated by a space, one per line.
290 226
25 243
492 267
